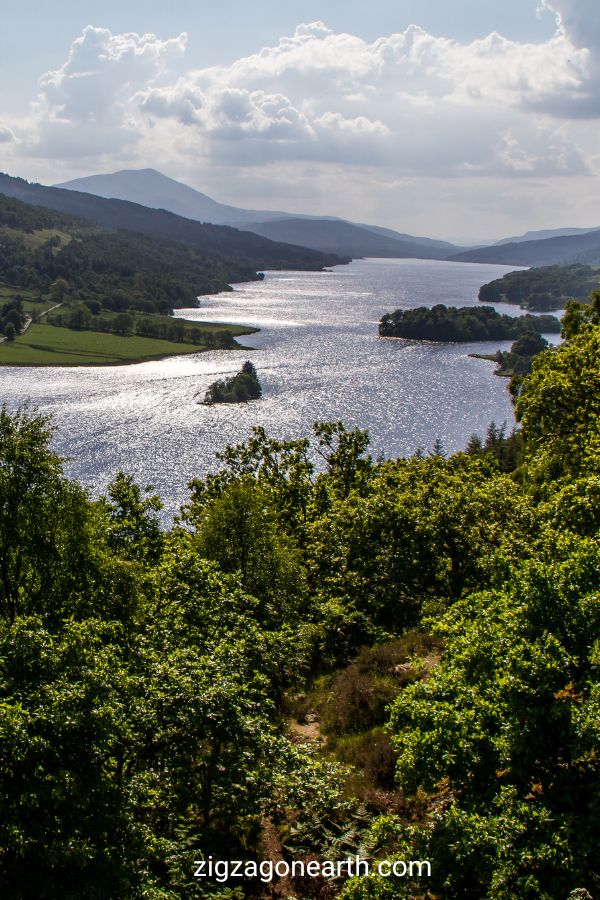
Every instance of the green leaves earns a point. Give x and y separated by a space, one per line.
504 720
559 409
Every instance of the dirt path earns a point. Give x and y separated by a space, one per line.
46 311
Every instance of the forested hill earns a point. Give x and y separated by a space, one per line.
38 246
544 288
241 246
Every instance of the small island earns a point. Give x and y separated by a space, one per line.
466 323
240 388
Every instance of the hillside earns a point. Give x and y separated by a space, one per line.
238 246
40 245
583 249
543 234
411 238
73 293
337 236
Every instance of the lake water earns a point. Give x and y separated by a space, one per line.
319 357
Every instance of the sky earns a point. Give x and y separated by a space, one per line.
461 120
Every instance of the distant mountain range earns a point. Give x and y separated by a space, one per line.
544 234
244 247
337 236
330 235
579 248
326 234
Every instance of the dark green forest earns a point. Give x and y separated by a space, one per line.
325 655
119 271
464 323
518 361
544 288
237 249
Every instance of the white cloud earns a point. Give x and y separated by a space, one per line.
409 101
84 106
578 24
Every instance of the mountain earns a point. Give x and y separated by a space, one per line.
39 245
544 234
398 236
151 188
563 251
156 191
338 236
252 250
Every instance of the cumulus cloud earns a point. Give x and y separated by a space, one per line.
411 101
404 107
578 96
84 106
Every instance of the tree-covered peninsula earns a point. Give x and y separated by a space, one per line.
465 323
544 288
519 359
397 659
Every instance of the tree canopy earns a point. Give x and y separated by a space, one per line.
325 655
465 323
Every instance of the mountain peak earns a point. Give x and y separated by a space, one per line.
152 188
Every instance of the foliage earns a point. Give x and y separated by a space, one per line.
240 388
12 318
543 288
559 407
506 449
504 721
147 675
465 323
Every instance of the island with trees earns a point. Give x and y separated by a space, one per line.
544 288
466 323
240 388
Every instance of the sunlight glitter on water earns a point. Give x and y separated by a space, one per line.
318 356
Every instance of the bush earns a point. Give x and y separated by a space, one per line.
239 389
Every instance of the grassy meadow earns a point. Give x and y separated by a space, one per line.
46 345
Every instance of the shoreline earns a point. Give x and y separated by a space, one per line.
122 362
134 360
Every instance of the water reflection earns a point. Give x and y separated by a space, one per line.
318 357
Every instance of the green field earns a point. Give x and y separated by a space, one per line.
45 345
